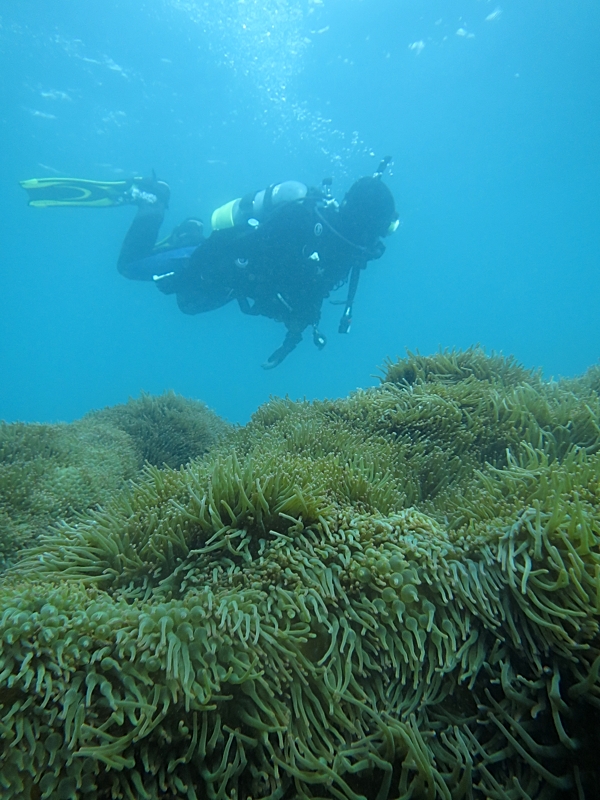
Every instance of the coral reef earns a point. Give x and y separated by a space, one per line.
395 595
55 472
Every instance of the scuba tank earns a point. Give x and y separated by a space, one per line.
254 207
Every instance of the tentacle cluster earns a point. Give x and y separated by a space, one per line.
392 596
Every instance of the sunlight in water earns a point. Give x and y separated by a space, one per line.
265 44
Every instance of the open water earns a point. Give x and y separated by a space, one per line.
490 110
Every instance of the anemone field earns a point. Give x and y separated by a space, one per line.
395 595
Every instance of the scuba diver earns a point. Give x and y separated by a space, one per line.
278 252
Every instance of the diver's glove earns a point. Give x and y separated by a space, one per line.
273 361
289 343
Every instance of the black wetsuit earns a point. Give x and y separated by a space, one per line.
282 268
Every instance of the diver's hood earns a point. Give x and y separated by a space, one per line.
367 212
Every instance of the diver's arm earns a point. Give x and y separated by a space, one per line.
296 323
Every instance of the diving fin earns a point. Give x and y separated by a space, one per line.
46 192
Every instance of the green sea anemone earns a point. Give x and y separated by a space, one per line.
50 473
165 430
395 595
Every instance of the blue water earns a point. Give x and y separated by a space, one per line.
492 114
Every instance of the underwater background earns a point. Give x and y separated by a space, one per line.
491 112
378 586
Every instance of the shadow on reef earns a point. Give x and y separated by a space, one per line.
54 472
395 595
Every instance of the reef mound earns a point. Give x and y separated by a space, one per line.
55 472
394 595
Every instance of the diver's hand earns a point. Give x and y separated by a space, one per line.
275 359
291 340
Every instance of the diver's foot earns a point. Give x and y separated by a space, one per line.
145 192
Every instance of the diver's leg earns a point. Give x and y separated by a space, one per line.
188 233
207 282
152 198
140 240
